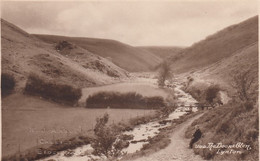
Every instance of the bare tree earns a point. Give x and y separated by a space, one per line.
164 73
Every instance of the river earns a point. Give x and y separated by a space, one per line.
141 133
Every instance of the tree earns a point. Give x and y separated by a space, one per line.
212 95
164 73
242 82
108 142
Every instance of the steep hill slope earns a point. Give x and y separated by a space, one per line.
217 46
222 71
125 56
23 54
228 59
162 51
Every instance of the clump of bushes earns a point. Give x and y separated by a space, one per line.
245 83
60 93
101 67
123 100
7 84
63 44
211 95
207 95
108 140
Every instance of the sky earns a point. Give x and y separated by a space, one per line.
138 23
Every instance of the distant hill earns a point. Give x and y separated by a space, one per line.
125 56
216 47
162 51
23 54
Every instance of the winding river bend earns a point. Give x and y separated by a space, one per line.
141 133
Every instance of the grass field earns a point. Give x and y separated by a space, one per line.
142 87
30 121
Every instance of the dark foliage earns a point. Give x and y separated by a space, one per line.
63 44
7 84
108 140
211 94
164 73
60 93
123 100
245 83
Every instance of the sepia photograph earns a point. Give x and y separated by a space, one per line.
128 80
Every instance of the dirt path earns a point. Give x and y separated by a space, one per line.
178 150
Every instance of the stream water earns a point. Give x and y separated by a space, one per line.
141 133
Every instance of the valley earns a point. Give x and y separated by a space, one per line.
149 99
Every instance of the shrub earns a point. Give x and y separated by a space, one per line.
205 95
252 134
168 110
244 82
224 127
211 94
108 141
63 44
123 100
50 90
248 105
7 84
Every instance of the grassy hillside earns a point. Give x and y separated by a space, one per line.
217 46
162 51
222 72
229 59
237 121
125 56
89 60
23 54
229 125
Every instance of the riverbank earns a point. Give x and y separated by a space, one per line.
149 134
163 140
148 130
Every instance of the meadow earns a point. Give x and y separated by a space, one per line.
145 87
30 121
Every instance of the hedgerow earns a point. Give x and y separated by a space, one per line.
124 100
61 93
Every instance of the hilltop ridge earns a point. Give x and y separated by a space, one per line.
215 47
125 56
23 54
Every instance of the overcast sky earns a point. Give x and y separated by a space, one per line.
167 23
